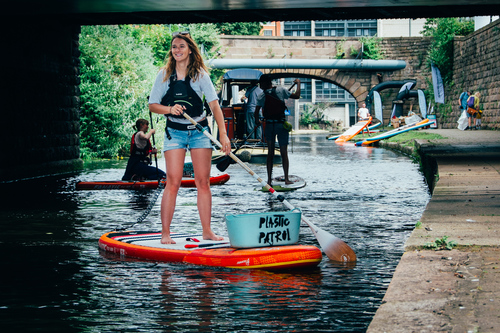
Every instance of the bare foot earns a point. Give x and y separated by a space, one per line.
166 239
288 182
211 236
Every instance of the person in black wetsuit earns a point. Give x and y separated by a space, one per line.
139 164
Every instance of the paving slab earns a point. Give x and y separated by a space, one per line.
452 290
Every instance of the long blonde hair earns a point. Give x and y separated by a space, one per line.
196 64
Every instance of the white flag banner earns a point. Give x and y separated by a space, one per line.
437 82
378 105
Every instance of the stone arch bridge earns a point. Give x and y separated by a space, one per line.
357 83
357 80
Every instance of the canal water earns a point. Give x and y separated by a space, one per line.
55 279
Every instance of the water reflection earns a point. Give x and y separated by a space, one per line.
369 197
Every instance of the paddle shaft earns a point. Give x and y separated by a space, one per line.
339 251
224 163
154 145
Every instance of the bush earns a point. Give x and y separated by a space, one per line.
116 76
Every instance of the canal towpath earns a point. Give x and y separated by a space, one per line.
454 290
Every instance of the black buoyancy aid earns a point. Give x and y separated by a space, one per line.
274 107
143 153
181 92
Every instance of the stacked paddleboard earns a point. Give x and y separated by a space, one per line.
393 132
371 129
192 249
353 131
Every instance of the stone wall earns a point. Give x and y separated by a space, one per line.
411 49
476 67
40 99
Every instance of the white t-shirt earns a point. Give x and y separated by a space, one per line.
202 86
363 113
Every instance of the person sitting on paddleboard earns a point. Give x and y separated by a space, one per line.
272 101
179 87
138 165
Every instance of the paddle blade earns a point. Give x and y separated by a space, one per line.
224 163
334 248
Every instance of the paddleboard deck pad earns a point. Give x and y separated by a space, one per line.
280 186
371 129
353 130
218 179
192 249
394 132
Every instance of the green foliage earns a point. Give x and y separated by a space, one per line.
371 48
157 37
314 114
443 30
239 28
441 244
118 67
340 49
116 76
206 36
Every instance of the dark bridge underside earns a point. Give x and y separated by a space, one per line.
209 11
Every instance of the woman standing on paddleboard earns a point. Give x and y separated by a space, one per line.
178 88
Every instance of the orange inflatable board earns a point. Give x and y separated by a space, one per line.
192 249
353 130
218 179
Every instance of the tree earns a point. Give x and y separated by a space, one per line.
443 30
118 65
239 28
116 75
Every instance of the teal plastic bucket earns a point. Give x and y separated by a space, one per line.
264 229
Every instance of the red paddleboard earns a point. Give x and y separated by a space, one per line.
144 185
192 249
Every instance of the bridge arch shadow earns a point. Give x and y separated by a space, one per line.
357 83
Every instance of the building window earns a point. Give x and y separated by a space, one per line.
268 32
361 28
327 92
297 28
357 28
330 28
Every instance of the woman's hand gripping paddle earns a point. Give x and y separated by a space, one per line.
335 248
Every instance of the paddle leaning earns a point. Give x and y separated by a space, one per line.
335 248
154 146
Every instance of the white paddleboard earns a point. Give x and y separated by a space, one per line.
280 186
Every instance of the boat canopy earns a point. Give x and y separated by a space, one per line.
245 74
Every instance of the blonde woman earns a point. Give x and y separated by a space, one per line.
178 88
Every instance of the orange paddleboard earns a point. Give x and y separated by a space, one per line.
192 249
353 130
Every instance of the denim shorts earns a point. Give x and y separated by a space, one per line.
276 129
190 139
